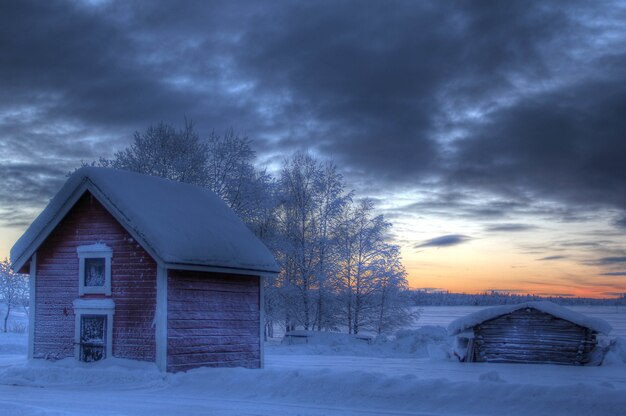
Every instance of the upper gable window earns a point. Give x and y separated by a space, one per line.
94 269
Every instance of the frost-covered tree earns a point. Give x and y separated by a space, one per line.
232 175
311 197
13 289
297 222
330 200
393 306
337 266
163 150
369 274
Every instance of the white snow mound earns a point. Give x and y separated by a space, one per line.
425 342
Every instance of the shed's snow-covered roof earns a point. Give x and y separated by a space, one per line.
459 325
179 223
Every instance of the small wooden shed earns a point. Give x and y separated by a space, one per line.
133 266
532 332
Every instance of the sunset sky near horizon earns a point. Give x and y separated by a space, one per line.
492 134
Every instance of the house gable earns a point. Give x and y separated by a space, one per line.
133 284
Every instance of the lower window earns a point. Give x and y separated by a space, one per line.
93 336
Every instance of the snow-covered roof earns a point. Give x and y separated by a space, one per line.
177 223
459 325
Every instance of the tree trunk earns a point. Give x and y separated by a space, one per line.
382 311
6 317
319 309
349 313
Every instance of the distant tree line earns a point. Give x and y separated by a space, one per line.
339 270
443 298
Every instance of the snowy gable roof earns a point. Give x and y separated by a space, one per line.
459 325
178 223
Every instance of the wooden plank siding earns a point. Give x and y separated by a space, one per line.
212 320
133 285
531 336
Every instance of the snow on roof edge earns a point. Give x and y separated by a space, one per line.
473 319
95 179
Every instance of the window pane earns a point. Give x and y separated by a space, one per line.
94 272
92 337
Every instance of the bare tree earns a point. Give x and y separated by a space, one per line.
393 307
164 151
231 174
297 222
13 289
370 274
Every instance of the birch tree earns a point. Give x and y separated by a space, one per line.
370 273
330 200
393 307
298 181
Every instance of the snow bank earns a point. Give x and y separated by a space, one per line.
375 393
425 342
12 343
488 395
22 409
616 353
459 325
112 371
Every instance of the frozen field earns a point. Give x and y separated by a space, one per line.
408 375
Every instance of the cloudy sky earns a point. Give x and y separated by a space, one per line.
493 134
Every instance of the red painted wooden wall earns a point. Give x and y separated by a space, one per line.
213 320
133 285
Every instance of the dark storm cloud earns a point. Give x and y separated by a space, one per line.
552 258
444 241
507 228
621 222
377 83
23 183
622 273
567 145
511 99
611 260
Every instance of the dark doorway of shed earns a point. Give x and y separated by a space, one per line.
92 337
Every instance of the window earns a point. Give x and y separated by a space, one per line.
95 272
93 333
93 337
94 269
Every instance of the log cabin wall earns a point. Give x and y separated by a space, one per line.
530 336
213 320
133 285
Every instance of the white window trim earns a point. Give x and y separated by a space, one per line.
94 307
90 252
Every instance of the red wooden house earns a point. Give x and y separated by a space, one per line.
132 266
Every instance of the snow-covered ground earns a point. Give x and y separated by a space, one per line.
329 375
